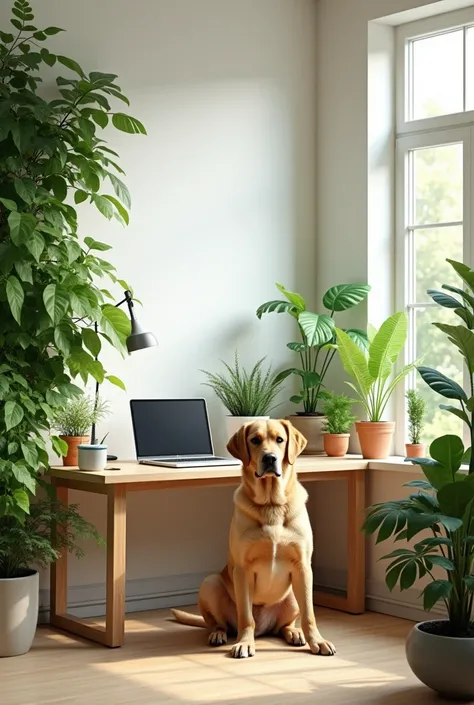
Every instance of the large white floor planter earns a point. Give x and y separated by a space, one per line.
18 613
233 423
443 663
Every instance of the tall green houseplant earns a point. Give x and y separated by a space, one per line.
55 312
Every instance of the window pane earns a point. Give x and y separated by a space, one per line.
470 68
438 184
444 357
432 248
438 75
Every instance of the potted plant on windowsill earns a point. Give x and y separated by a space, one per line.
49 528
74 422
316 349
246 395
416 408
338 412
371 373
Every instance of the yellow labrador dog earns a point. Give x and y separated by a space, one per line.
267 582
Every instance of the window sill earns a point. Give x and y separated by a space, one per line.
396 463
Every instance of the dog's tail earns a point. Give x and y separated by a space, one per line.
192 620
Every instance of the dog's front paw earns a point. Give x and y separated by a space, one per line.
318 645
243 649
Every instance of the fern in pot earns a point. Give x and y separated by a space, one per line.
247 395
416 409
339 419
74 422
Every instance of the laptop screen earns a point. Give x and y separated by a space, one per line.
170 427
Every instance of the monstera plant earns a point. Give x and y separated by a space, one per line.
316 349
440 651
55 312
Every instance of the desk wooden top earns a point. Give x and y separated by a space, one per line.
130 472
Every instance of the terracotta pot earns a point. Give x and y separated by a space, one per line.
375 438
72 457
415 450
311 427
443 663
336 444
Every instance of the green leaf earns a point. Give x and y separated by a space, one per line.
318 328
457 412
91 341
448 450
120 189
74 250
296 399
126 123
297 347
387 345
21 475
26 189
58 186
463 339
421 484
52 30
15 296
116 324
36 244
392 575
466 274
56 302
430 542
344 296
295 299
354 361
72 65
59 445
455 497
24 271
47 57
435 591
80 196
30 454
103 205
21 226
121 210
277 307
9 205
450 523
22 500
100 118
63 338
443 299
13 414
440 561
408 576
469 582
115 380
359 337
442 384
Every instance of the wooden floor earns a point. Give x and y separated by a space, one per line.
163 662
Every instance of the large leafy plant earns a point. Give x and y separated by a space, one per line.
54 314
372 370
318 345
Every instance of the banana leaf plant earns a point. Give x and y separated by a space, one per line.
443 507
372 369
317 345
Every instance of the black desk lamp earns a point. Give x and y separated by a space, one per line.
137 340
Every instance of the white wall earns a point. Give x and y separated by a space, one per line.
223 195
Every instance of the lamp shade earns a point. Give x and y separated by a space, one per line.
139 338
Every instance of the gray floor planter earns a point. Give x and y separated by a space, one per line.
445 664
18 613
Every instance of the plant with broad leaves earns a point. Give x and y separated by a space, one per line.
318 345
444 506
371 369
51 154
462 337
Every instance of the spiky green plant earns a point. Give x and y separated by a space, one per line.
77 417
338 410
416 408
244 393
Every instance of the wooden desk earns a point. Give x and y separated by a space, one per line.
133 477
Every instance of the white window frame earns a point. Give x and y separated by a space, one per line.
417 134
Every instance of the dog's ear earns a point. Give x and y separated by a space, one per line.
237 446
295 444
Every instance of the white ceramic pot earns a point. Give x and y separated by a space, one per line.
233 423
312 428
18 613
92 458
443 663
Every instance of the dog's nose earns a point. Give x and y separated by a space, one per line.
269 458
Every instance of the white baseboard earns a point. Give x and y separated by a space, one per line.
177 590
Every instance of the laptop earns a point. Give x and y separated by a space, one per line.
174 433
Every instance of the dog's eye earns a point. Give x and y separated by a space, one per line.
256 441
279 439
